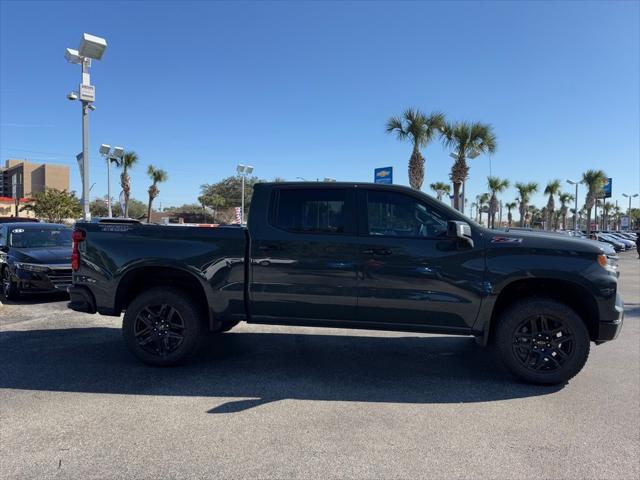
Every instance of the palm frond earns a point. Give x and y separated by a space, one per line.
553 187
129 159
394 124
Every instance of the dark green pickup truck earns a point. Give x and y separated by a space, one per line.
352 256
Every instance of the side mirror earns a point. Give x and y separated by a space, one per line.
460 230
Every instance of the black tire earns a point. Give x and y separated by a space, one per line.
542 341
9 287
163 326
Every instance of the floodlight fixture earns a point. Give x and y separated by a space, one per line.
92 46
249 170
105 149
118 152
72 56
240 168
72 96
571 182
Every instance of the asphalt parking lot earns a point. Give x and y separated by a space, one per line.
280 402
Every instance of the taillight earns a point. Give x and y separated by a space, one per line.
77 237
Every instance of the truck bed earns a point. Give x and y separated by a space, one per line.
120 258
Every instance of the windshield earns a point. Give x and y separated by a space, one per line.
40 237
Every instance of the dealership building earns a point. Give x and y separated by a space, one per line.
19 179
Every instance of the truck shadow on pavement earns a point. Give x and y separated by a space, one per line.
35 299
265 367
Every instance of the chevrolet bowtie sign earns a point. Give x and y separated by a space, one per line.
383 175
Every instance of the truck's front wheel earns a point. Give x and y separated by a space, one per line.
162 326
542 341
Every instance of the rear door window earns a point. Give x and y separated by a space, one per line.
311 210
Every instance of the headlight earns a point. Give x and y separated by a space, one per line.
31 267
608 263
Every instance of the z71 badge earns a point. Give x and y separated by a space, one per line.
506 240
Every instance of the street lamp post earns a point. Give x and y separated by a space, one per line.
243 171
575 212
115 154
629 196
91 47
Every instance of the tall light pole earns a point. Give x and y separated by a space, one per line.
91 47
243 171
575 212
116 154
629 196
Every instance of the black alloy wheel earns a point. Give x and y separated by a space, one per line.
159 329
163 326
543 343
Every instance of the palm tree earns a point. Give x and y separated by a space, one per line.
468 140
533 213
594 180
420 129
607 208
482 201
616 217
496 185
525 190
157 176
565 198
440 188
128 161
509 207
478 207
552 188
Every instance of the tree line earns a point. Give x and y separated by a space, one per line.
468 140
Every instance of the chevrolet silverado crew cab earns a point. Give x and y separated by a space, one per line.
351 255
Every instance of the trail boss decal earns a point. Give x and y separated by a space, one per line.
115 228
506 240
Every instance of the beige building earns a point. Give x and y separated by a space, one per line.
20 178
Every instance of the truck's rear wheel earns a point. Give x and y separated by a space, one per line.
542 341
162 326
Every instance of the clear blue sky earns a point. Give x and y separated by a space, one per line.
304 89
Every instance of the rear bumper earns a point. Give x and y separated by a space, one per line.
609 329
82 300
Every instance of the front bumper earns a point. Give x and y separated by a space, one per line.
52 280
609 329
